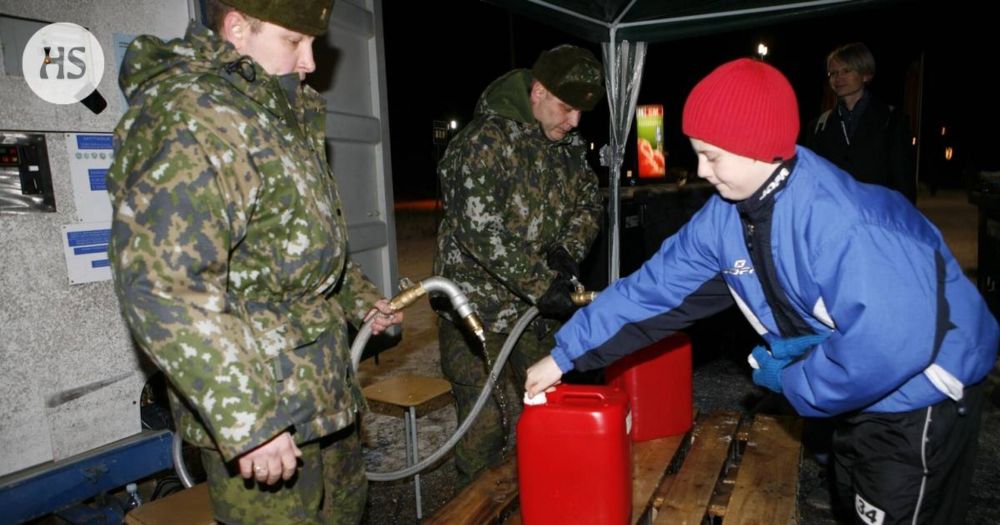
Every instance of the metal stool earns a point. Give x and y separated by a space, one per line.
409 392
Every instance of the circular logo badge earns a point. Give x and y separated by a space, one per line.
63 63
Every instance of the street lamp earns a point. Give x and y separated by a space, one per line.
761 50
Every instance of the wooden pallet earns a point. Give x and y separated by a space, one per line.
722 471
189 506
486 500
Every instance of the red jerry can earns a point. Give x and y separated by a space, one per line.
574 457
657 380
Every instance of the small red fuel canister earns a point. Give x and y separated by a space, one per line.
574 457
657 380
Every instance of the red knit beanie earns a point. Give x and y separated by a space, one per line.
745 107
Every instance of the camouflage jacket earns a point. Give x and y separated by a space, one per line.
509 194
229 247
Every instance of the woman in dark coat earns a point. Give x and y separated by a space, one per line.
862 135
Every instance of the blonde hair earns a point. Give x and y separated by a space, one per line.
855 56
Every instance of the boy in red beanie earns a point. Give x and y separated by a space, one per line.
865 314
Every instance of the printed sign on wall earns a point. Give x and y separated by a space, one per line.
86 249
90 156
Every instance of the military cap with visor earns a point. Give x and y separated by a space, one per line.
309 17
572 74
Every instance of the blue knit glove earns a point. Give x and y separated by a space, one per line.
793 347
768 369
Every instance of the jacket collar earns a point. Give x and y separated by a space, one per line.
150 61
765 196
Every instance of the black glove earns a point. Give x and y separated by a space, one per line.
557 303
559 260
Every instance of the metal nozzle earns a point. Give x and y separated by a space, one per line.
459 301
475 326
408 296
583 298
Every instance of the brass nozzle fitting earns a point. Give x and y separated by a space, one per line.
475 326
411 292
583 298
407 297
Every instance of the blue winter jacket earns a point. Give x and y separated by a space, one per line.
907 328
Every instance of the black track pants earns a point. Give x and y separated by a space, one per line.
910 467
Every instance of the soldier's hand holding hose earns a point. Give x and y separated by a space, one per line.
557 301
384 316
558 259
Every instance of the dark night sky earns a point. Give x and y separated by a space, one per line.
437 68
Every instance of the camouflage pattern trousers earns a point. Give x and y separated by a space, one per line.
492 435
329 488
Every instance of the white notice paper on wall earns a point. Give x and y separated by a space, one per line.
86 249
90 157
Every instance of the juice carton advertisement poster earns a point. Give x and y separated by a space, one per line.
649 132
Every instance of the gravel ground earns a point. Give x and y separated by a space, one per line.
721 382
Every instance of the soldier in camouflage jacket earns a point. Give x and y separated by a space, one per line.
521 208
230 261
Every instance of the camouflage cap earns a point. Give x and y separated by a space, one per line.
308 17
571 73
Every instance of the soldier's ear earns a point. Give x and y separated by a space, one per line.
538 91
235 28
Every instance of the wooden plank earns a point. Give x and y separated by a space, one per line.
190 506
485 500
650 460
659 494
690 492
768 479
724 490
